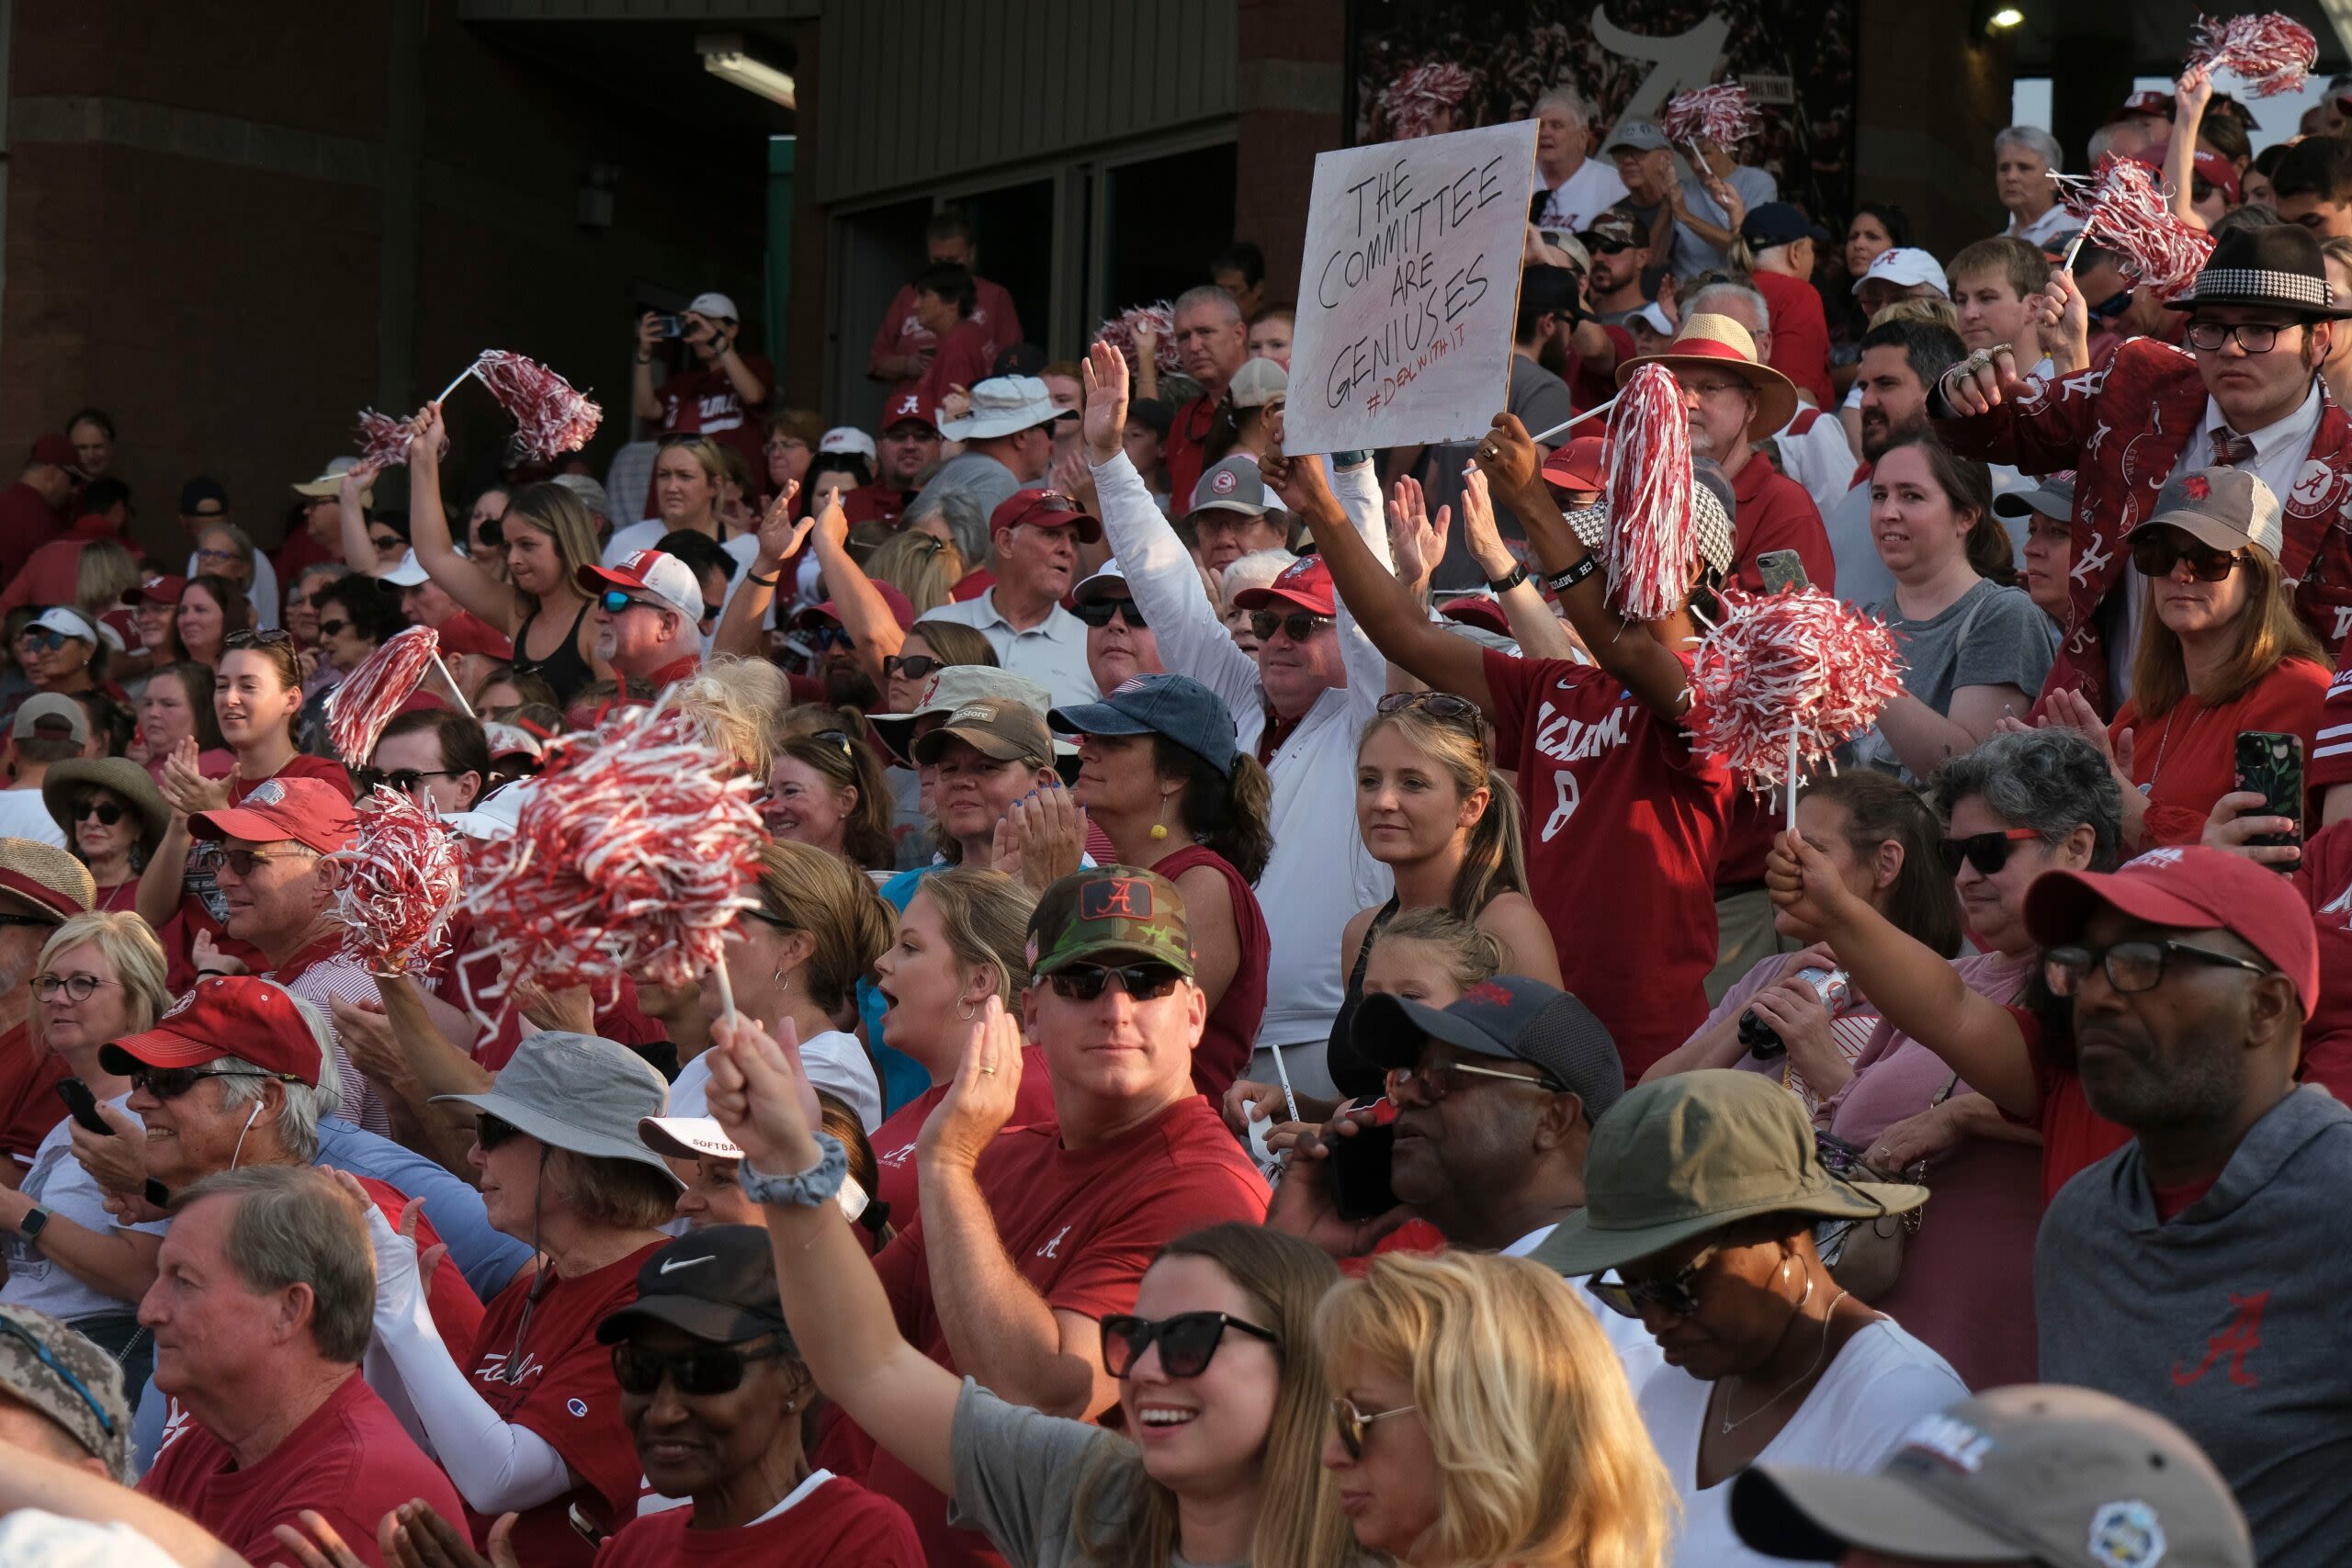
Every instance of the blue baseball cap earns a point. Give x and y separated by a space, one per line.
1174 706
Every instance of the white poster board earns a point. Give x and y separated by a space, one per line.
1407 291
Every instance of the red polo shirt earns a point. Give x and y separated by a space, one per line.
1800 333
1775 514
1187 448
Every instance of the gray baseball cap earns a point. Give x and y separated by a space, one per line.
46 1367
954 686
578 1092
2051 498
1635 136
1234 484
2226 509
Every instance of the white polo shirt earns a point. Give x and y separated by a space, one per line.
1052 652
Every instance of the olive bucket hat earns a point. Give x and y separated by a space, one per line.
1693 1153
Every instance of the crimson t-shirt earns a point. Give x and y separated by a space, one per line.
964 360
1187 450
840 1525
302 765
1624 826
894 1141
564 1392
2325 879
2073 1136
1231 1032
1081 1226
875 502
351 1461
28 1104
456 1311
703 401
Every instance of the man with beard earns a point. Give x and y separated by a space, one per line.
1032 553
649 611
849 679
1549 311
903 453
1901 360
1211 342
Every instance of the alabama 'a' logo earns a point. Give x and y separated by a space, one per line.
2241 1339
1114 898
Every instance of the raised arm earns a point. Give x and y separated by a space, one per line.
1913 988
2189 96
1627 649
779 540
359 552
643 400
1355 485
464 579
874 631
840 1315
1539 631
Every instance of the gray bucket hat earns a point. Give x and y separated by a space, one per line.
578 1092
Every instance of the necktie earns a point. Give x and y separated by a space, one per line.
2230 448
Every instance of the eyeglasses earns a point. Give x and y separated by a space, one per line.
1298 626
42 1354
107 812
2130 967
216 555
1435 1080
2201 190
170 1083
1988 853
1187 1341
833 637
1352 1422
402 780
242 861
703 1371
333 628
912 666
77 987
2253 337
614 601
1628 1298
1098 613
1142 982
840 737
711 612
2155 555
492 1131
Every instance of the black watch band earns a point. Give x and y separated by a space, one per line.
756 581
1499 586
1561 581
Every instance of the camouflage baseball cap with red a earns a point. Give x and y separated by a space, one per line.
1112 913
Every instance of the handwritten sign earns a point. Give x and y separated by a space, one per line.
1407 291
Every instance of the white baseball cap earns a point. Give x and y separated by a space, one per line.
409 573
1099 586
1907 266
847 439
1004 405
687 1137
665 576
713 303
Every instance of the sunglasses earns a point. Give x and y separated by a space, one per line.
41 1353
614 601
490 1131
2155 555
48 639
1098 613
1988 853
704 1371
1298 626
1142 982
912 666
170 1083
242 861
711 612
402 780
106 812
278 638
1629 1299
1352 1422
333 628
1187 1342
833 637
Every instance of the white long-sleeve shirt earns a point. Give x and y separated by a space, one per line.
1320 872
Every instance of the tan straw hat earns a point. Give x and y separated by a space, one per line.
44 879
1718 343
1693 1153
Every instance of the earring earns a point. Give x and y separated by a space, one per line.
968 1012
782 985
790 1405
1158 831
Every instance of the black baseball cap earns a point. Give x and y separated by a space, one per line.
1778 224
198 491
1174 706
717 1283
1547 288
1020 359
1510 1017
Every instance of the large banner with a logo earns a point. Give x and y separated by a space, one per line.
1429 66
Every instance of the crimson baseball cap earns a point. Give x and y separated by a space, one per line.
902 610
2218 171
2150 102
466 632
1043 508
233 1015
311 812
1304 584
56 450
1481 610
163 589
2188 887
1577 466
663 575
911 408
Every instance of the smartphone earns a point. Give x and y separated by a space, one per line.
2270 763
82 1106
585 1527
1782 570
1360 1188
672 326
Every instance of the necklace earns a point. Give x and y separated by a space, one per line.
1730 1425
2166 739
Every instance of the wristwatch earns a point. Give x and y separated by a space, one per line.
1500 586
36 1220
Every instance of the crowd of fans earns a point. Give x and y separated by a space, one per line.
1102 1144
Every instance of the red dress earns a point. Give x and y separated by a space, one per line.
1232 1030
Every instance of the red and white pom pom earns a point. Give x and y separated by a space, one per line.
2123 209
631 855
2270 53
551 417
383 440
1422 101
1796 661
1119 331
358 709
396 885
1722 113
1653 541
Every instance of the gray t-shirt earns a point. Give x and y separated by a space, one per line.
2227 1320
1694 255
988 482
1990 635
1017 1475
1541 401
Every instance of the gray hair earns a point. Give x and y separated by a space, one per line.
1752 298
297 1118
1207 296
1255 569
2101 139
2034 140
1564 95
2052 781
294 1226
962 515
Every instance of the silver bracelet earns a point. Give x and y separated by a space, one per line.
819 1184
